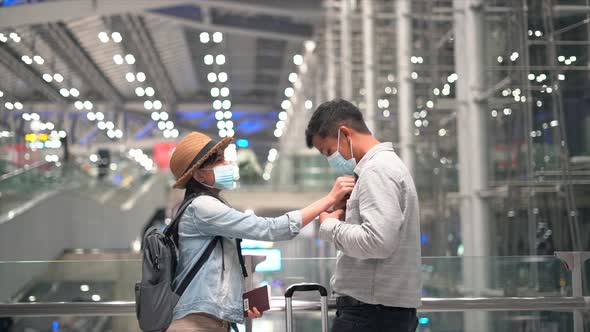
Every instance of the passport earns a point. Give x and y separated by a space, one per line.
258 297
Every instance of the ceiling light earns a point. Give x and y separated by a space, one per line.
149 91
118 59
278 133
298 59
229 124
130 59
130 77
116 37
226 104
224 92
3 38
163 116
74 92
110 125
161 125
14 36
155 116
211 77
220 59
174 133
169 125
140 76
148 104
219 115
214 92
217 37
292 77
101 125
289 92
222 77
283 116
79 105
91 116
38 59
227 114
139 91
308 104
118 133
217 104
208 59
64 92
18 105
204 37
99 116
27 59
103 36
47 77
285 104
58 78
157 104
88 105
26 117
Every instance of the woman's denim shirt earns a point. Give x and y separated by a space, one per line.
214 290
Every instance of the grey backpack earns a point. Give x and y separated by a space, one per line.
155 297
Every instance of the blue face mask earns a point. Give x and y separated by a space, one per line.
224 177
340 165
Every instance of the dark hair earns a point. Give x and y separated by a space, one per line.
330 115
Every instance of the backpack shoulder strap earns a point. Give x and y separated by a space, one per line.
195 269
173 227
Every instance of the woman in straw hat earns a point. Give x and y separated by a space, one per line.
213 300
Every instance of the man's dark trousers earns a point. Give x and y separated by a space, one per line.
356 316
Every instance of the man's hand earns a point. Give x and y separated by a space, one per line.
342 187
337 214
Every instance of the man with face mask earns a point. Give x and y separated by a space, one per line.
378 278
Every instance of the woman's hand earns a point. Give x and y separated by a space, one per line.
254 313
342 187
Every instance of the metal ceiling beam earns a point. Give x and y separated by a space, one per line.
69 48
28 74
252 32
155 66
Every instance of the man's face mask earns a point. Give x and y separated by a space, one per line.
340 165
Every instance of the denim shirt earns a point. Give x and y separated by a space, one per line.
215 290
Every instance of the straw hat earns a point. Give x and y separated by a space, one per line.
190 154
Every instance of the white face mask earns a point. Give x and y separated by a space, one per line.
224 177
340 165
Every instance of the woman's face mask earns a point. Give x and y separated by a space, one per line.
224 177
340 165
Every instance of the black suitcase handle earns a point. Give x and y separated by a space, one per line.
305 287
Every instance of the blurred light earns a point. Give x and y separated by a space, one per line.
242 143
278 133
95 297
35 117
292 77
88 105
3 38
139 91
390 77
281 125
308 104
224 92
157 104
149 91
118 59
414 75
554 123
568 62
103 36
222 77
217 104
18 105
494 113
174 133
531 77
26 117
229 124
285 104
111 133
538 33
26 59
148 104
220 59
418 123
226 104
166 133
500 59
561 58
561 77
74 92
38 59
219 115
442 132
58 78
62 134
140 76
110 125
204 37
573 58
217 37
169 125
211 77
99 116
514 56
507 111
91 116
130 77
8 105
64 92
289 92
227 114
117 38
162 125
215 92
208 59
436 91
15 37
130 59
85 288
298 59
93 158
155 116
309 45
423 320
386 113
430 104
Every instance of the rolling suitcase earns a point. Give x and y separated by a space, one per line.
306 287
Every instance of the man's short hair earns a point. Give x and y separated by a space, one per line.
330 115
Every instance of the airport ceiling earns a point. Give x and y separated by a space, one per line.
118 53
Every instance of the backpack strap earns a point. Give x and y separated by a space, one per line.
195 269
173 227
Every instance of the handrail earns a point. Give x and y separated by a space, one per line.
127 308
23 170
